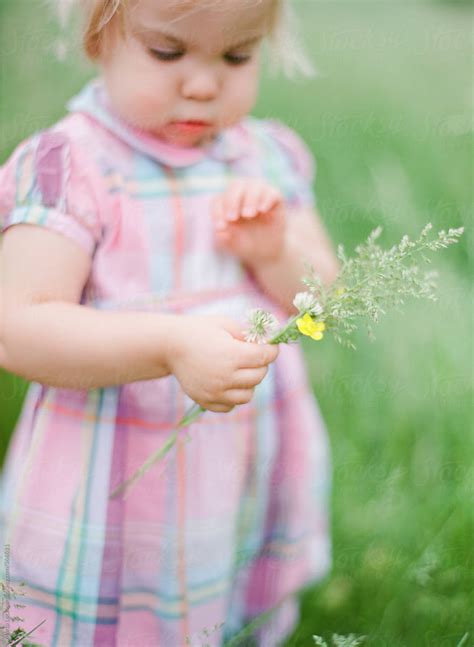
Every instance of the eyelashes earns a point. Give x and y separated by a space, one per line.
165 56
232 59
236 59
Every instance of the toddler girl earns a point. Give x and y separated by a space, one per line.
162 213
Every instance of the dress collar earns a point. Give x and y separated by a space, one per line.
229 145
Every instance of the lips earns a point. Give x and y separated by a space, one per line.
196 122
190 126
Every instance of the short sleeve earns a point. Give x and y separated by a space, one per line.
46 182
294 164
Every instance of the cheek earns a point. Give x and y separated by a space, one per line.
139 88
242 91
144 96
145 100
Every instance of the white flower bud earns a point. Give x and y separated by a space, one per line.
306 302
262 326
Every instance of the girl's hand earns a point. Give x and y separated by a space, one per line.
250 221
214 364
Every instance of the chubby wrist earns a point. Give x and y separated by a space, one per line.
170 340
280 278
281 256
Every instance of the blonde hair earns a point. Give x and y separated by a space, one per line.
287 53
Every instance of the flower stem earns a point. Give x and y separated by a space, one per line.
276 338
160 453
190 416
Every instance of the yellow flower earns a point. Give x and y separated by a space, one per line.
340 290
313 329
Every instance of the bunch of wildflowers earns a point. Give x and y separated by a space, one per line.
370 283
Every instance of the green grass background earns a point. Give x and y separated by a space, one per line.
389 120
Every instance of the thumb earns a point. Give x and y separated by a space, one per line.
235 328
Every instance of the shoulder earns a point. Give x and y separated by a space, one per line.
73 142
285 143
69 132
50 179
51 159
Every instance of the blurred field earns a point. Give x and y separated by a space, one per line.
389 120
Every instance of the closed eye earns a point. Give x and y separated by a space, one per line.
237 59
165 55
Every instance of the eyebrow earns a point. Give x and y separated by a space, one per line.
171 38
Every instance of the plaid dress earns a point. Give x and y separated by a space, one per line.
235 521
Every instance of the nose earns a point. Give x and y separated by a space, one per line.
201 85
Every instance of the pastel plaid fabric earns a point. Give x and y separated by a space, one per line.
235 521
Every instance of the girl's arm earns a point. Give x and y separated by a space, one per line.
47 337
73 346
306 240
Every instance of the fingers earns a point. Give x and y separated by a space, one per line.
244 199
258 355
219 408
231 399
233 201
245 382
252 198
233 327
251 355
248 378
239 396
268 199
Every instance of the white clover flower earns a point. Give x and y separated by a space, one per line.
306 302
262 326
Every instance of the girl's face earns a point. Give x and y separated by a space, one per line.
186 61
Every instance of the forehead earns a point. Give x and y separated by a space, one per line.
192 21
